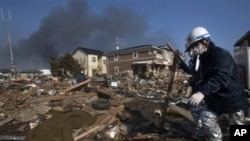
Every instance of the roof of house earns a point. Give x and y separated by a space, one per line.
244 37
90 51
46 71
30 71
141 47
5 70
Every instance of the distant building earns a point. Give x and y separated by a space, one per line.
29 74
5 72
139 59
92 61
244 41
241 57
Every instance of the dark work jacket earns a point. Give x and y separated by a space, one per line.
80 78
217 78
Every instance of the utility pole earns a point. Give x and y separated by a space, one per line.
117 55
117 46
13 66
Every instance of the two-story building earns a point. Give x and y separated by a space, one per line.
92 61
29 74
139 59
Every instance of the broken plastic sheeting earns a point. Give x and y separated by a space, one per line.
109 133
114 84
28 86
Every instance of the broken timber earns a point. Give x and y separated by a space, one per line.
60 97
187 114
8 119
176 61
101 123
77 86
169 88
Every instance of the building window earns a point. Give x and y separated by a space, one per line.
29 75
152 51
116 70
167 54
155 52
116 57
104 61
81 61
93 59
135 54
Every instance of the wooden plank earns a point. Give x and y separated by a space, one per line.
102 123
8 119
77 86
86 133
108 121
187 114
59 97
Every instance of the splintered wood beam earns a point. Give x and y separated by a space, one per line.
8 119
187 114
101 123
168 94
60 97
77 86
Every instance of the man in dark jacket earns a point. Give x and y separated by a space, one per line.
215 83
81 77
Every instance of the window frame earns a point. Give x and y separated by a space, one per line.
135 54
116 70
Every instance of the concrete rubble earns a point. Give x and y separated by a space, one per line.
127 108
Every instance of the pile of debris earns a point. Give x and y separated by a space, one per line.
129 108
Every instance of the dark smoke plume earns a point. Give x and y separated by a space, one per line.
67 28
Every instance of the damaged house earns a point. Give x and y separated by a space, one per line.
139 59
241 56
29 74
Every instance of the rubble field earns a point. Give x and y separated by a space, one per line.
125 109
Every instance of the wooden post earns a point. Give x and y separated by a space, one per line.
168 94
177 60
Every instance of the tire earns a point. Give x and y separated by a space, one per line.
101 104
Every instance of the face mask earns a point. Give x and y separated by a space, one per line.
197 50
191 53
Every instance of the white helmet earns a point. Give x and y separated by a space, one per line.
195 35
